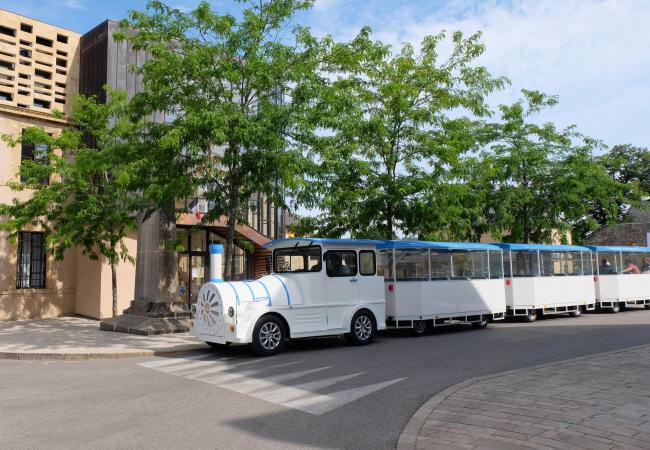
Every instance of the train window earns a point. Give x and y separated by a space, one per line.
608 263
367 264
470 265
573 263
440 265
412 265
496 268
297 259
524 264
341 263
587 267
553 264
633 263
385 266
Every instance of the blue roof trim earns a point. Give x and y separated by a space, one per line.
620 248
544 247
437 245
321 241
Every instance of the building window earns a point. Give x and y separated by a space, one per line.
36 153
30 264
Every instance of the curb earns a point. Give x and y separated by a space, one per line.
38 356
409 435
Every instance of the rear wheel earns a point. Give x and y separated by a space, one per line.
362 328
576 313
268 336
483 323
616 307
531 315
419 327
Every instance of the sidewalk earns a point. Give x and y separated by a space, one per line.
595 402
79 338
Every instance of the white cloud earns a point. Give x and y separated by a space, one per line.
75 4
593 54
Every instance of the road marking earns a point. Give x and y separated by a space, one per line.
261 380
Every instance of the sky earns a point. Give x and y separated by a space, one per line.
593 54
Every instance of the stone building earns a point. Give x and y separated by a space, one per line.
41 68
634 230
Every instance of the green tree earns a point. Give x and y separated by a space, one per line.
629 164
87 202
223 84
391 126
535 179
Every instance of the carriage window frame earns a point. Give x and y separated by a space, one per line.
340 275
412 252
374 263
304 249
386 262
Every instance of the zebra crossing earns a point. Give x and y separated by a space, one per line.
291 384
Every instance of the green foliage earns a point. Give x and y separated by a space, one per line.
222 83
87 202
534 180
391 126
629 164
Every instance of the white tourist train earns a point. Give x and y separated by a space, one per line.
621 277
322 287
548 279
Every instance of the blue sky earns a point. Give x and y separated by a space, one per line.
592 53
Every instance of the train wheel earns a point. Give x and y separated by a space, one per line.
531 316
268 336
362 328
482 324
616 307
576 313
419 327
647 306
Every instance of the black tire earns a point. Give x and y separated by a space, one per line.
362 328
217 346
269 336
576 313
419 328
483 323
531 316
616 308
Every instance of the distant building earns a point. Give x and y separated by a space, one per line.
635 230
41 68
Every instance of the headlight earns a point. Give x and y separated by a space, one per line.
231 311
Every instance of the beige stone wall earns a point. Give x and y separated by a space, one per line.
38 63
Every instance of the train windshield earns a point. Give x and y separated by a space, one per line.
298 259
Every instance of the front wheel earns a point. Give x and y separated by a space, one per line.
268 336
362 328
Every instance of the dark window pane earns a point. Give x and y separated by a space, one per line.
341 263
30 261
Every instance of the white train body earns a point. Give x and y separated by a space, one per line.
616 282
309 301
322 287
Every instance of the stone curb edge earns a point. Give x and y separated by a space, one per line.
409 435
27 356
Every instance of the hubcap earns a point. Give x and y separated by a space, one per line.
270 335
363 328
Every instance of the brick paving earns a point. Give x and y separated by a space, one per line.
595 402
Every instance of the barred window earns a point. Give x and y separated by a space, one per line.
30 263
36 153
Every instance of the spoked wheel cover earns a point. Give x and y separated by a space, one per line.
363 328
270 336
208 310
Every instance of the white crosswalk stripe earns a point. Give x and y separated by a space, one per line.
262 379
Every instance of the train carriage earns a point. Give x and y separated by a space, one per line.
548 279
441 283
622 276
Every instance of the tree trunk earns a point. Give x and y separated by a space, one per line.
114 286
233 208
389 221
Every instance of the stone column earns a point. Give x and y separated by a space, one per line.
157 307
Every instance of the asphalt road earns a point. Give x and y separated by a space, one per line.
318 394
